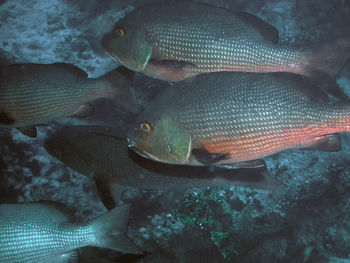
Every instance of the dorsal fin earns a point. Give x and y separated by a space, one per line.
71 68
270 33
304 85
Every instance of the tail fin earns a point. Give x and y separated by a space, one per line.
120 90
323 63
110 231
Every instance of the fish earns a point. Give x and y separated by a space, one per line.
176 40
43 231
108 160
34 94
235 119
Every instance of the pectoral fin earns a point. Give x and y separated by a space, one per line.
173 65
207 158
29 131
172 70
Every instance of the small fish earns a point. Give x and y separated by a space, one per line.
234 119
177 40
43 232
32 94
109 160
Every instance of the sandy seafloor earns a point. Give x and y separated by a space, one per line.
308 221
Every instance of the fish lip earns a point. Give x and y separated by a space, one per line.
141 152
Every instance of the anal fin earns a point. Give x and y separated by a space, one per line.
247 164
30 131
71 257
171 70
326 143
254 178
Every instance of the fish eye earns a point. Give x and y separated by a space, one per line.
120 32
145 127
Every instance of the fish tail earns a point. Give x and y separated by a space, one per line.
118 88
321 63
110 231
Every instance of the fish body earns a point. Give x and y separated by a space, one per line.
32 94
177 40
42 232
109 158
236 118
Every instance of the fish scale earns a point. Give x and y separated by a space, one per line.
246 115
32 94
32 237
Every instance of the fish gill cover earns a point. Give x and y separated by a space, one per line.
308 221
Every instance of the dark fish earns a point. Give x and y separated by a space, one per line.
108 159
176 40
32 94
43 232
237 118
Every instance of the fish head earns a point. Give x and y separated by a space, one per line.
127 44
160 138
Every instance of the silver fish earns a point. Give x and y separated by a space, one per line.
42 232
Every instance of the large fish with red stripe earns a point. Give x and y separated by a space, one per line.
177 40
235 119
